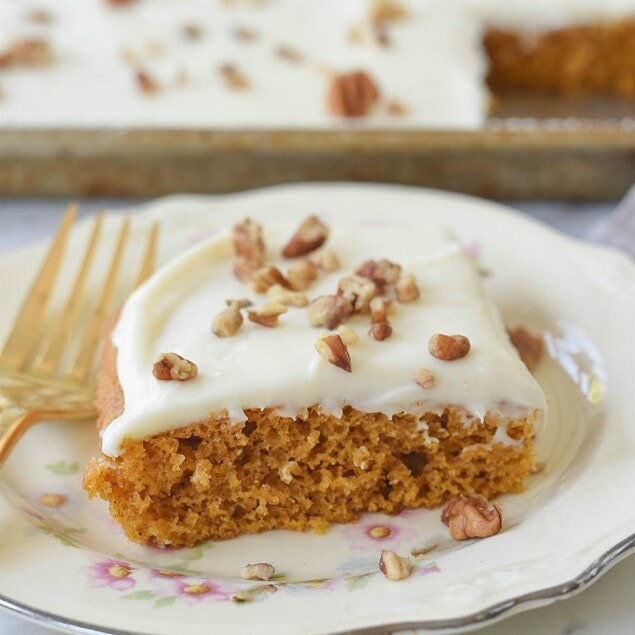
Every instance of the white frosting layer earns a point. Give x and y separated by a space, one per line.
434 64
260 367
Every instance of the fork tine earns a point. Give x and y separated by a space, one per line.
28 325
49 358
82 365
150 256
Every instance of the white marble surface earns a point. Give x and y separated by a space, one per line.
607 607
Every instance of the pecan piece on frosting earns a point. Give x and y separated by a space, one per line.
330 311
311 235
228 321
249 248
448 347
324 259
425 378
381 272
528 345
334 351
301 274
277 293
380 327
26 52
171 366
267 314
146 83
266 277
406 288
360 291
233 77
352 95
394 566
472 516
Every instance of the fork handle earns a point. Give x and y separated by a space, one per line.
15 421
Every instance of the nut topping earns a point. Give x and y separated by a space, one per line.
330 311
324 259
227 322
267 314
349 336
145 82
360 291
334 351
528 345
380 328
248 241
425 378
26 52
243 303
171 366
309 236
383 11
278 293
352 95
448 347
265 277
381 272
302 274
406 288
394 566
249 248
380 331
233 77
258 571
472 517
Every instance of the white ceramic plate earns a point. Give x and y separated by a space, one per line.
65 563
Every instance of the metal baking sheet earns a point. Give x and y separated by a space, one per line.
535 147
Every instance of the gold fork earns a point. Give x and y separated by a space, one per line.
37 380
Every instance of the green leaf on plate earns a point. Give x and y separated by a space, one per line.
139 595
167 601
62 468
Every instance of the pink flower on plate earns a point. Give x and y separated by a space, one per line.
194 591
379 534
113 573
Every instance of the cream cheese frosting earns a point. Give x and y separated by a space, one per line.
435 65
280 368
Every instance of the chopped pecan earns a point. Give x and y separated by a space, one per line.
528 345
26 52
334 351
243 303
380 331
227 322
406 288
278 293
425 378
352 95
267 314
40 16
245 268
360 291
192 31
145 82
384 11
171 366
248 241
265 277
257 571
324 259
394 566
310 235
380 328
396 108
233 77
381 272
349 336
329 311
301 274
288 53
244 34
472 517
448 347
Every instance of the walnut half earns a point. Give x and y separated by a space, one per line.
171 366
472 516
